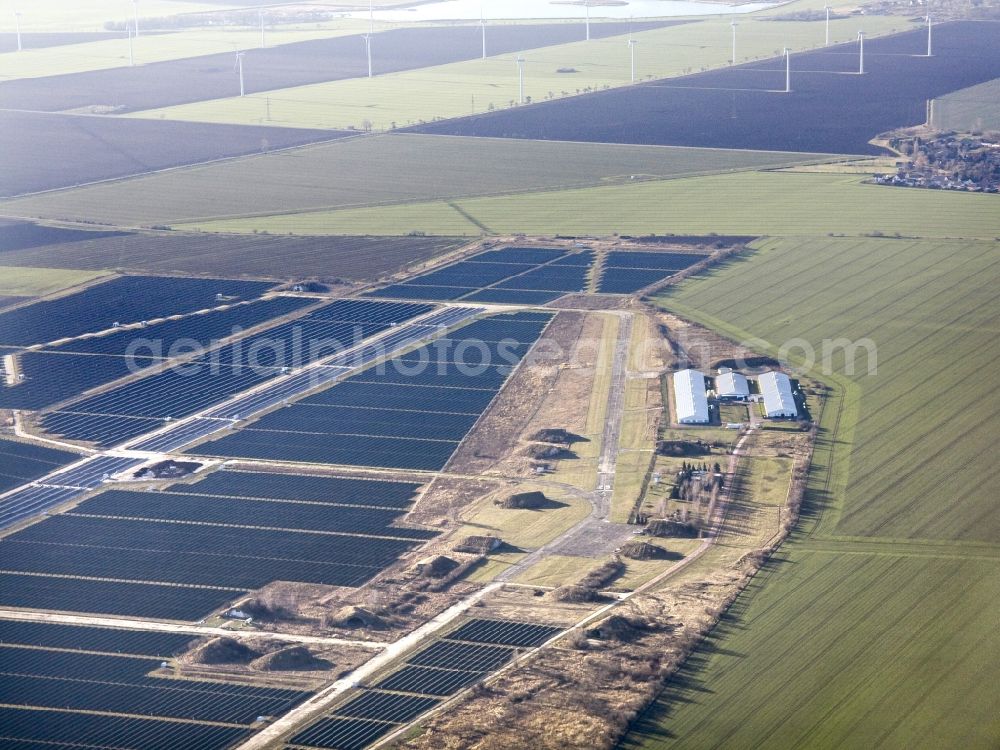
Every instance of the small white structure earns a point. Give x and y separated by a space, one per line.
732 385
777 391
690 398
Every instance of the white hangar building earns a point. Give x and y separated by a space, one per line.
732 385
777 391
690 398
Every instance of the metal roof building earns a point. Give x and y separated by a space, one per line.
731 385
690 398
777 391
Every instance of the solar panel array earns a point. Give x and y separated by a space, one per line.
143 405
60 487
124 300
516 275
58 373
23 462
181 553
464 656
408 413
70 686
626 271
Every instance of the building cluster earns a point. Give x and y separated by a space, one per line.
947 162
692 394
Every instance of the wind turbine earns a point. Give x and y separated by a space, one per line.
861 53
368 50
482 24
929 27
733 24
586 4
631 47
520 80
788 71
239 68
131 56
135 15
371 17
827 9
17 22
261 14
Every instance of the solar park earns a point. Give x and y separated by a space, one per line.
393 381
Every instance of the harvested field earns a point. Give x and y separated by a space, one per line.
277 257
206 77
372 171
21 235
41 40
57 151
745 107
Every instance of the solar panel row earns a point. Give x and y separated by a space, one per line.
444 668
117 415
386 417
56 691
238 532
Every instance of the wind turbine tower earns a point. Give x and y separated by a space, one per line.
827 9
368 51
371 16
262 42
586 4
520 80
733 24
239 68
17 23
788 71
131 55
631 47
482 24
929 29
135 15
861 53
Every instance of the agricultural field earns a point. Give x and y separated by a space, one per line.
374 171
898 547
426 95
192 79
106 148
754 203
19 282
974 108
278 257
747 107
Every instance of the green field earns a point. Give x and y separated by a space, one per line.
154 48
845 651
974 108
307 182
410 97
26 281
745 203
876 626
